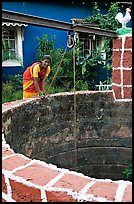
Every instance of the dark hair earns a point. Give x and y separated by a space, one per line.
47 57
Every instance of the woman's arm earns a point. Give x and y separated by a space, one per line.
37 85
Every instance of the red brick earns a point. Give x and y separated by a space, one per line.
72 181
4 187
117 43
14 162
127 77
37 174
6 152
116 57
127 59
22 193
117 91
127 197
59 197
128 42
104 189
128 92
116 76
3 200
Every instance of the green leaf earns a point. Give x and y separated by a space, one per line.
83 69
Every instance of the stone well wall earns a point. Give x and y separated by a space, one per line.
43 129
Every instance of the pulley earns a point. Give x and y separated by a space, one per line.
70 41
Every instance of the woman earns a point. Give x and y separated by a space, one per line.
34 78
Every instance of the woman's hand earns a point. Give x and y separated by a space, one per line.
40 94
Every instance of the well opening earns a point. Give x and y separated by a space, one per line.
43 129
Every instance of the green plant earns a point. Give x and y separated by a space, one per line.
128 172
45 46
80 85
107 22
54 90
65 74
12 88
88 67
16 80
17 95
7 89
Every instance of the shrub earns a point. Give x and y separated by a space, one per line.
7 90
128 172
12 88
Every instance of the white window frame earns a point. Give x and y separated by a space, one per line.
19 37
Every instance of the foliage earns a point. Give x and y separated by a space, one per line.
65 74
12 88
17 95
9 93
86 68
89 67
45 46
16 80
128 172
80 85
107 22
7 89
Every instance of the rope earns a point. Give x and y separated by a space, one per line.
57 69
75 139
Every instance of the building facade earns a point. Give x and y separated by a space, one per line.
20 44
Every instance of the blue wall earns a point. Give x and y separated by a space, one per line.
57 11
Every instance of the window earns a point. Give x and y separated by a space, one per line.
12 37
8 44
89 43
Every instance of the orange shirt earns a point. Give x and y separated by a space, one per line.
28 79
36 70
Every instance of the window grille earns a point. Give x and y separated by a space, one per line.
12 37
89 43
9 44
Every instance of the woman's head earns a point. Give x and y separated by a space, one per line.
47 57
46 61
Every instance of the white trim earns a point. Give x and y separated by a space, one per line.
120 49
104 87
124 68
13 24
11 63
124 100
19 44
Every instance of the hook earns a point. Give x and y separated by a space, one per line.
70 41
